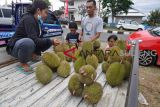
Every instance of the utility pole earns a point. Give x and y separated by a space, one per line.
5 2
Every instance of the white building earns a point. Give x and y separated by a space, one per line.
73 9
133 14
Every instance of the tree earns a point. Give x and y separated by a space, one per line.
47 1
82 10
62 8
58 13
154 17
114 7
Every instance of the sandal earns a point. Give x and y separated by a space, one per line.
22 69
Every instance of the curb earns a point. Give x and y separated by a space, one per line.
117 32
108 31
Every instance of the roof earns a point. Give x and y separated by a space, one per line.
5 7
24 3
133 12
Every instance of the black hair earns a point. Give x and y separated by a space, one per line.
112 37
73 25
94 2
41 4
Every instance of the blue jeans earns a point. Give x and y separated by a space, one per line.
23 49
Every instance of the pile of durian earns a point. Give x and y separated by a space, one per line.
116 65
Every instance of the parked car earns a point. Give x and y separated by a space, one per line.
6 16
149 45
64 20
130 25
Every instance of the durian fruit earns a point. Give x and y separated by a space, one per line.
128 58
106 55
112 59
115 74
115 51
75 86
99 54
51 59
64 69
61 48
61 56
77 54
87 48
96 44
93 93
83 54
87 74
79 63
43 74
121 44
71 45
105 66
92 60
68 59
115 54
128 67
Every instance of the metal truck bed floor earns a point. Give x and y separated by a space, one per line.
21 90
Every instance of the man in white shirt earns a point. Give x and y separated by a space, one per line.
92 25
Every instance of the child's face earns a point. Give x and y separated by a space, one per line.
73 30
111 42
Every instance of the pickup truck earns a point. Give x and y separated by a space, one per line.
50 28
20 90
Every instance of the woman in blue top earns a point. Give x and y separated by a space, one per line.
27 41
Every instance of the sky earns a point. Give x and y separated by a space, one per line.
144 6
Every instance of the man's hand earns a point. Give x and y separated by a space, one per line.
95 37
56 42
92 38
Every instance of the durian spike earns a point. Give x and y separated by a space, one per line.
92 76
85 96
84 74
122 59
74 92
81 71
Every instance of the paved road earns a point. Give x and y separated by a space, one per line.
104 36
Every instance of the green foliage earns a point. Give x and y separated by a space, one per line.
116 6
154 17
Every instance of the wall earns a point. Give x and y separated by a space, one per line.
76 4
137 19
116 19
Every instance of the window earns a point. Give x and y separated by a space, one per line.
134 23
127 22
0 13
121 21
24 9
7 13
71 16
71 3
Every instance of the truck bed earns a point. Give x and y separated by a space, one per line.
21 90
